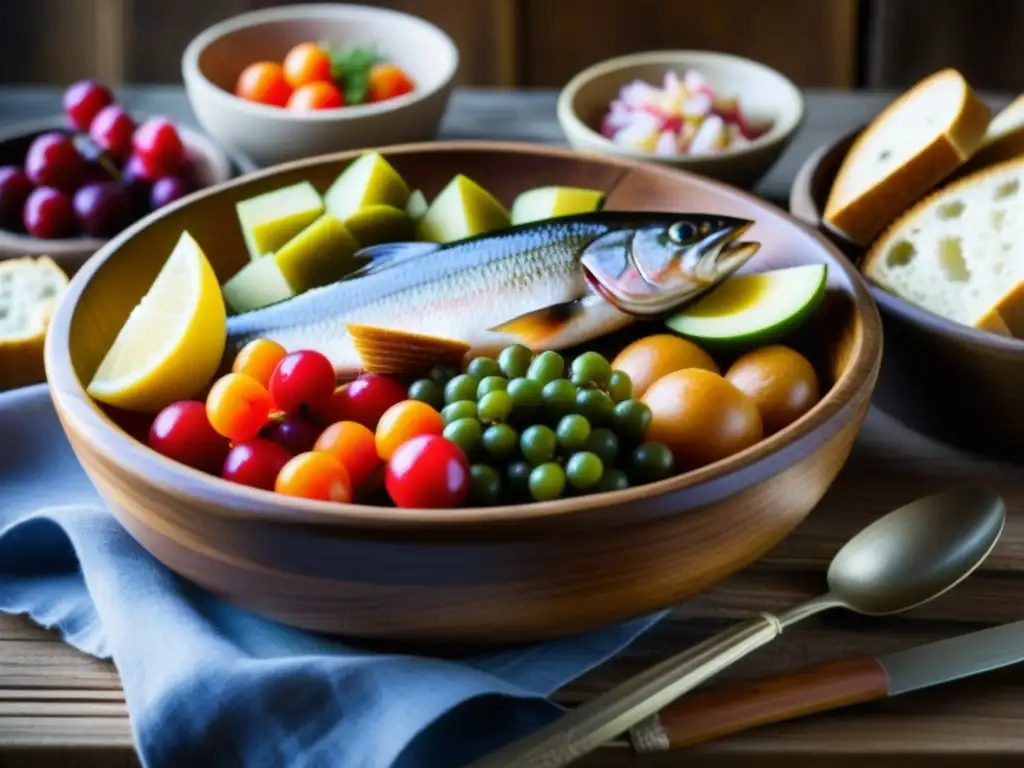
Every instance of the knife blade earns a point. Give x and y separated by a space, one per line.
718 712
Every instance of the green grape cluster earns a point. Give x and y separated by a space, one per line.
534 429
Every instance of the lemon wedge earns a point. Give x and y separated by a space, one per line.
173 341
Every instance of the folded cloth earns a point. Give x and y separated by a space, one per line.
208 684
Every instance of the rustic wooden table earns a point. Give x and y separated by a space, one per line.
59 707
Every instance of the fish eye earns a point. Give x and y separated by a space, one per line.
682 232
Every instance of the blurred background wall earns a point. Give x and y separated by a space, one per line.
541 43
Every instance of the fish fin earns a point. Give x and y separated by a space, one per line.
385 350
387 255
534 328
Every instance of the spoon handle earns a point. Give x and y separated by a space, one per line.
616 711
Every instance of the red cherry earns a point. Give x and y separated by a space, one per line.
255 463
296 435
48 213
82 102
157 142
304 378
53 161
365 400
182 432
427 472
112 129
15 187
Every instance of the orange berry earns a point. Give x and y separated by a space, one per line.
354 446
238 407
258 359
319 95
403 421
388 81
315 475
263 82
306 63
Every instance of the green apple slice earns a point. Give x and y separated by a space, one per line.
273 218
417 205
754 307
368 180
462 209
548 202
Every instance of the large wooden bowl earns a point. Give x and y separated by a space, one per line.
952 382
502 574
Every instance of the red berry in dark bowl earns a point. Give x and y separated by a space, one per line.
48 213
15 187
136 171
103 208
82 102
53 161
166 190
112 129
157 142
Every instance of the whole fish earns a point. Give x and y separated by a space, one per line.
549 285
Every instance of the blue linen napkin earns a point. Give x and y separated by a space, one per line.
208 684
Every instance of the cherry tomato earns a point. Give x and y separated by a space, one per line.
365 399
354 446
263 82
306 63
293 433
238 407
315 475
258 359
157 143
255 463
427 472
182 431
388 81
311 96
404 421
302 379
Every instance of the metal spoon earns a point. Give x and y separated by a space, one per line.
903 559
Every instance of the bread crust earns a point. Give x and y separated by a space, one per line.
1005 147
862 218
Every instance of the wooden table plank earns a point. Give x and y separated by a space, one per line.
971 722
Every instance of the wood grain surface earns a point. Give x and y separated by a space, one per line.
973 722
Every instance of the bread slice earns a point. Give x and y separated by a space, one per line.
1003 140
30 289
912 145
960 252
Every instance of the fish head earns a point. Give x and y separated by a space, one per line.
657 264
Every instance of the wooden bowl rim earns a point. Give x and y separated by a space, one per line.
220 157
780 132
192 72
775 453
803 207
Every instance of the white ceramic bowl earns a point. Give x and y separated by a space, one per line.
269 135
764 94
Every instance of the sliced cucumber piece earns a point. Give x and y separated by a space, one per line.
270 220
548 202
368 180
754 307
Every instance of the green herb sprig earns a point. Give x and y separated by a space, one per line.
350 69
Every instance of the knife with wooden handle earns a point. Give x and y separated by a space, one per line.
718 712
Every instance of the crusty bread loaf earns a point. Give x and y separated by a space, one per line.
960 252
30 289
913 144
1003 140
